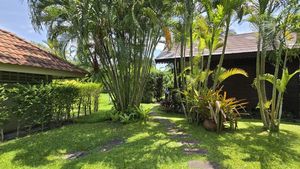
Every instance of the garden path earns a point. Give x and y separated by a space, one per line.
188 144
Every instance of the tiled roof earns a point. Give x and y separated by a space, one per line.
240 43
16 51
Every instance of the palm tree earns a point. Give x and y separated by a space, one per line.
66 25
273 34
117 37
229 7
262 12
207 30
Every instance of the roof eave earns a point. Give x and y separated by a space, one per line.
42 71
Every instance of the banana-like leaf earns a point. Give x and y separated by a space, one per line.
280 83
228 73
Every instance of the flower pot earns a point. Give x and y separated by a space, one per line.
209 125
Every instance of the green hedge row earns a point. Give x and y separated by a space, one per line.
39 105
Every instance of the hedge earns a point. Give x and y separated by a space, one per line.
40 105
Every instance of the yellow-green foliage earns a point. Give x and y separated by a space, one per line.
88 95
85 88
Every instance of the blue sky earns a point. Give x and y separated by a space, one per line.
14 17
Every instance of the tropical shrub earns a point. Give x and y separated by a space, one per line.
215 106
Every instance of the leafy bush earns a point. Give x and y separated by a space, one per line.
155 84
158 87
148 94
39 105
172 101
130 115
4 115
88 95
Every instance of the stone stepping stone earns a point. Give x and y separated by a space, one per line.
111 144
196 164
160 120
75 155
190 142
153 113
180 136
174 131
190 151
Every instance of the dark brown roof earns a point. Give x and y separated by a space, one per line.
16 51
240 43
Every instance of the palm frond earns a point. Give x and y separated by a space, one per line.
228 73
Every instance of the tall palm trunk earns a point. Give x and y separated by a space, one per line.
258 82
222 55
209 59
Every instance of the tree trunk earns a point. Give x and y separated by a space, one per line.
79 106
258 85
222 55
18 129
2 134
85 108
90 104
96 103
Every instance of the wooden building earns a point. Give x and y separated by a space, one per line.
241 53
23 62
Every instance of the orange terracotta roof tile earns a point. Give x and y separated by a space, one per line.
17 51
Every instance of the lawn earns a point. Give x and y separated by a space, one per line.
147 145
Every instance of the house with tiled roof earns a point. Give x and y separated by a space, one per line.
24 62
241 51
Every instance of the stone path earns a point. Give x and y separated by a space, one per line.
75 155
111 144
105 148
196 164
189 146
176 133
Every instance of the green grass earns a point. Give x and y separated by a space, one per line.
148 146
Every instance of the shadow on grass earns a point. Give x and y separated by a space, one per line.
147 145
146 152
250 141
34 150
49 148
